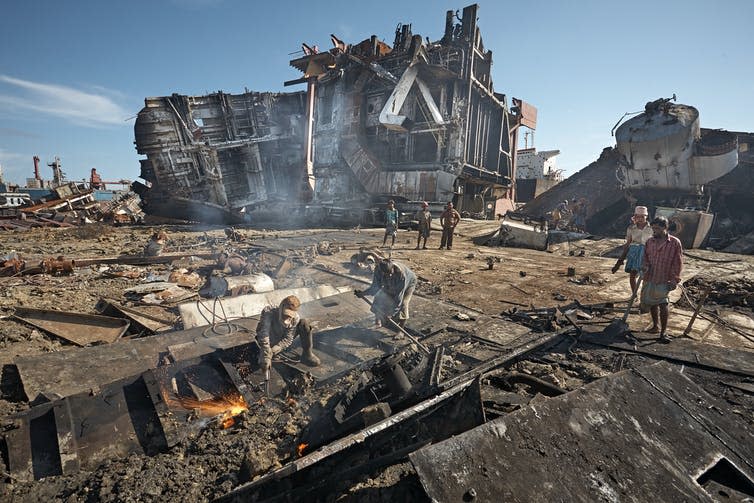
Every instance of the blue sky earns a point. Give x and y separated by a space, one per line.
73 74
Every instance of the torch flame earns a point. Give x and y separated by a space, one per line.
226 407
300 449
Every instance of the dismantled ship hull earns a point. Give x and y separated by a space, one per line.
663 149
209 157
416 121
699 178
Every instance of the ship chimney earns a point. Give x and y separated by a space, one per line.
36 168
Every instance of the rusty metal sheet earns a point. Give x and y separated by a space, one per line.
81 431
682 350
64 373
68 372
527 113
596 443
141 415
78 328
139 317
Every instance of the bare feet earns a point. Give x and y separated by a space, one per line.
652 329
664 338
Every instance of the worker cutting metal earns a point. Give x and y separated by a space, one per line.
393 286
278 327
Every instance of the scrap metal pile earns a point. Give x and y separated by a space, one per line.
163 388
71 205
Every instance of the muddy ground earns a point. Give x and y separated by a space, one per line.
213 460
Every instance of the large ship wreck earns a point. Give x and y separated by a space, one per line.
699 178
210 157
418 120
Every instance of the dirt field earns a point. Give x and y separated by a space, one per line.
213 461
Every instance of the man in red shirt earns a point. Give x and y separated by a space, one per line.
661 268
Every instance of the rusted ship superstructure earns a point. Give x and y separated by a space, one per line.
664 149
699 178
209 157
418 120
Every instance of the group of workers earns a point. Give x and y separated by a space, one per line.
449 219
393 285
570 214
652 257
655 257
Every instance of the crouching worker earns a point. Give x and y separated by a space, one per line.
393 286
277 328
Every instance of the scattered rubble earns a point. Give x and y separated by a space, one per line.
523 356
130 369
70 206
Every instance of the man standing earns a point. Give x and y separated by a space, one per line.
277 328
448 219
391 222
560 213
661 267
579 215
393 286
424 217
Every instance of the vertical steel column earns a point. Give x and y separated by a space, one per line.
311 85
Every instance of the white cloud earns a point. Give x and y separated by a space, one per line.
79 107
6 156
15 166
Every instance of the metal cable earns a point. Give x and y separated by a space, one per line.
217 321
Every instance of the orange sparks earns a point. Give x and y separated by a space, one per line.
300 449
227 407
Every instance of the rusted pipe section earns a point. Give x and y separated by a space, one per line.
58 265
544 387
699 305
12 267
311 87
